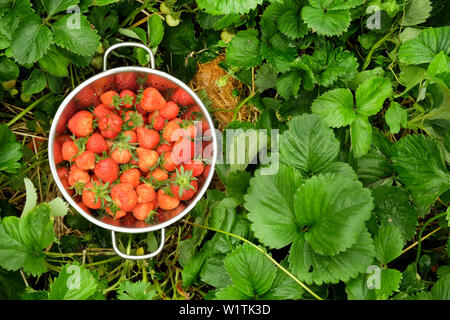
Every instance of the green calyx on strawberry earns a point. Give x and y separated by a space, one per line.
183 184
117 101
101 191
80 143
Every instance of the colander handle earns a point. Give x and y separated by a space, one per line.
130 257
128 44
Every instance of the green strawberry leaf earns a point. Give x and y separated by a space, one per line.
335 107
220 7
360 135
283 286
266 77
31 40
288 84
396 117
55 62
135 291
31 196
441 289
279 52
426 46
388 243
417 12
390 280
371 94
8 69
80 39
230 293
35 83
328 18
421 168
55 6
244 49
251 272
329 64
332 210
74 282
253 276
11 151
21 240
291 24
312 267
59 207
309 145
155 30
392 206
270 202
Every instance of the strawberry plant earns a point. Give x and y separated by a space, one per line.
342 186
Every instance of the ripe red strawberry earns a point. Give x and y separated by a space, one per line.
81 124
160 83
170 110
124 196
65 183
128 98
156 121
116 213
121 155
111 221
152 100
171 132
78 178
121 149
164 147
183 151
165 201
69 150
169 214
110 99
96 143
103 84
147 159
57 154
100 111
63 172
205 173
86 160
158 175
133 120
145 193
131 176
83 207
110 125
132 136
147 138
168 162
94 194
183 185
193 129
143 210
86 97
107 170
126 80
182 98
195 166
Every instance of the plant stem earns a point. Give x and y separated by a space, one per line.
102 262
424 237
263 252
419 242
30 107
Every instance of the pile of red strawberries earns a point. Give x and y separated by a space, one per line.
136 152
